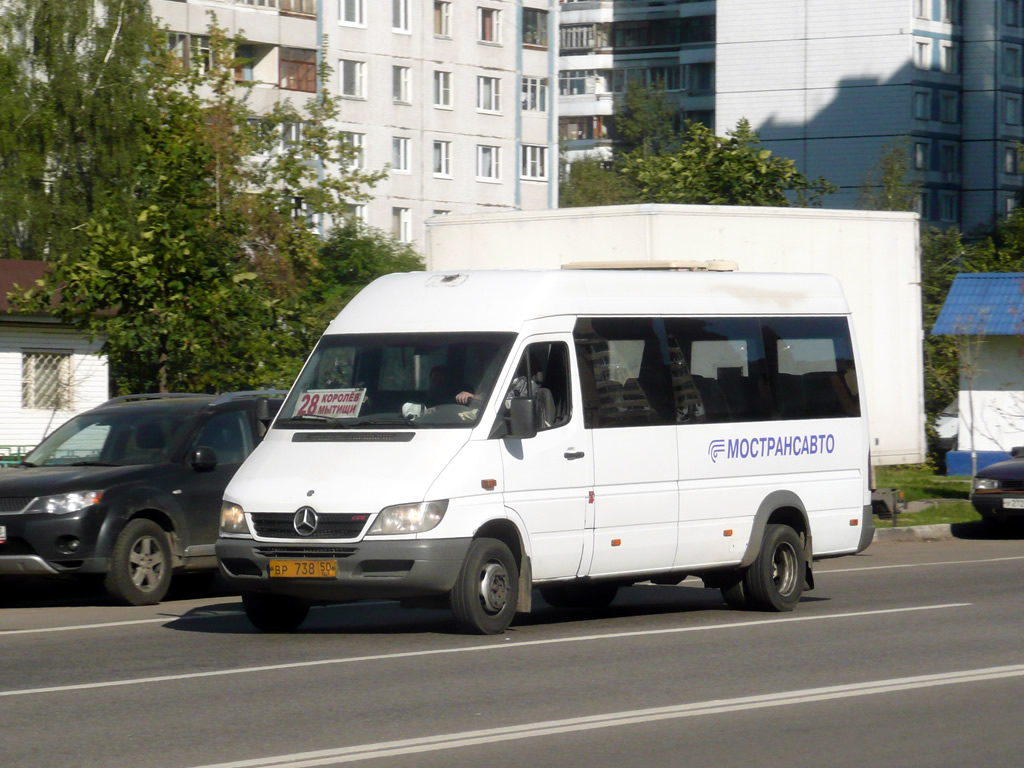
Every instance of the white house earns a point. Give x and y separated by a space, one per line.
48 371
986 312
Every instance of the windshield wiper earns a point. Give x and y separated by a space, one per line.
91 464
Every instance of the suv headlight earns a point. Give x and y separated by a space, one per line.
65 503
985 484
408 518
232 519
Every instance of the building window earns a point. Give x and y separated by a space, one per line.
443 158
46 380
921 155
488 94
400 15
949 107
442 18
200 54
488 163
949 206
291 134
400 154
245 55
535 27
357 211
535 94
306 7
922 110
949 160
534 163
177 44
442 89
298 69
1011 110
352 11
1011 161
922 8
356 143
489 25
1011 12
1011 61
949 10
922 54
1009 204
401 85
948 58
353 78
700 78
922 207
441 212
401 224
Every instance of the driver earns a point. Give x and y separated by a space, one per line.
441 388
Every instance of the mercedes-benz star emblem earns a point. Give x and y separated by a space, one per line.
305 521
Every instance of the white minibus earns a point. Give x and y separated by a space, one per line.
459 439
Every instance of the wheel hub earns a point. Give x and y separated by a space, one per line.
494 587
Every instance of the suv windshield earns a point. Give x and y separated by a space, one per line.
396 380
113 437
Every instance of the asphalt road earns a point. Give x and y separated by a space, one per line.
910 654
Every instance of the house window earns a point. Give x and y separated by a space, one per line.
177 44
307 7
245 55
949 11
1011 161
353 78
949 107
298 69
1011 13
922 8
534 163
442 18
949 160
200 54
922 54
1011 61
1009 204
949 206
401 224
488 94
535 27
400 154
700 78
921 155
401 85
352 11
46 380
443 158
442 89
948 58
357 211
488 163
535 94
489 25
291 134
922 109
356 147
1011 110
400 15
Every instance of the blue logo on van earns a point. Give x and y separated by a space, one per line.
760 447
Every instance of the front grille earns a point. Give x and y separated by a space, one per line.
328 552
1012 485
275 525
14 503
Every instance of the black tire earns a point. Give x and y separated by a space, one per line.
140 564
274 613
585 596
486 591
775 580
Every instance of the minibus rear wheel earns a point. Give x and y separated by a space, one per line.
484 596
775 580
274 613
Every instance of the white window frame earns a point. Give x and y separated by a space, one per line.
948 57
488 94
358 211
357 141
921 155
442 159
400 148
400 17
488 163
358 79
922 9
535 94
401 84
923 54
442 18
401 224
533 162
442 89
494 14
352 13
948 11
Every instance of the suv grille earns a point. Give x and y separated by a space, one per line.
14 503
286 551
276 525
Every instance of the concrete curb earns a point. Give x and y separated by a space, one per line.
915 533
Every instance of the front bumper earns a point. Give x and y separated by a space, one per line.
42 543
992 505
365 569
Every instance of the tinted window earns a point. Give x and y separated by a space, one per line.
228 435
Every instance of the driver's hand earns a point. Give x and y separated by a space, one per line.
463 398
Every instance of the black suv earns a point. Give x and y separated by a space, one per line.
131 490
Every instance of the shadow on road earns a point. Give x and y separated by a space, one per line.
1012 530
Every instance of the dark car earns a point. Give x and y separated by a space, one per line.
998 491
130 490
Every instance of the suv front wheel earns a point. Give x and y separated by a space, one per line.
140 565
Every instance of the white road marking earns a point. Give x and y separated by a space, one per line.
919 565
506 643
614 719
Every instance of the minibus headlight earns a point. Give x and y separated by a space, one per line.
409 518
232 519
65 503
985 484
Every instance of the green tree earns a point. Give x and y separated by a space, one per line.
890 185
592 181
73 98
715 170
645 121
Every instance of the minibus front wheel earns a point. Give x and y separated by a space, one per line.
484 596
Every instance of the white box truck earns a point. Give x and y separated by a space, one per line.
875 255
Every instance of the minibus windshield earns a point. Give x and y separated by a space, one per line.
407 380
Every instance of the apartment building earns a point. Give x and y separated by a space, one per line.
453 97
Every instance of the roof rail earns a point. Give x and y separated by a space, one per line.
150 396
228 396
711 265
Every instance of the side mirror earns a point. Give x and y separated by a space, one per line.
522 418
1017 452
203 459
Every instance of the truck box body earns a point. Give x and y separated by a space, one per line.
875 255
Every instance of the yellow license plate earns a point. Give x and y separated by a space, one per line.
303 569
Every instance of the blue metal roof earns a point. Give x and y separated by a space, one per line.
983 304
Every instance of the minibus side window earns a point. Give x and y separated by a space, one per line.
543 374
814 374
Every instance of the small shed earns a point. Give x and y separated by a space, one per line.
986 311
49 372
